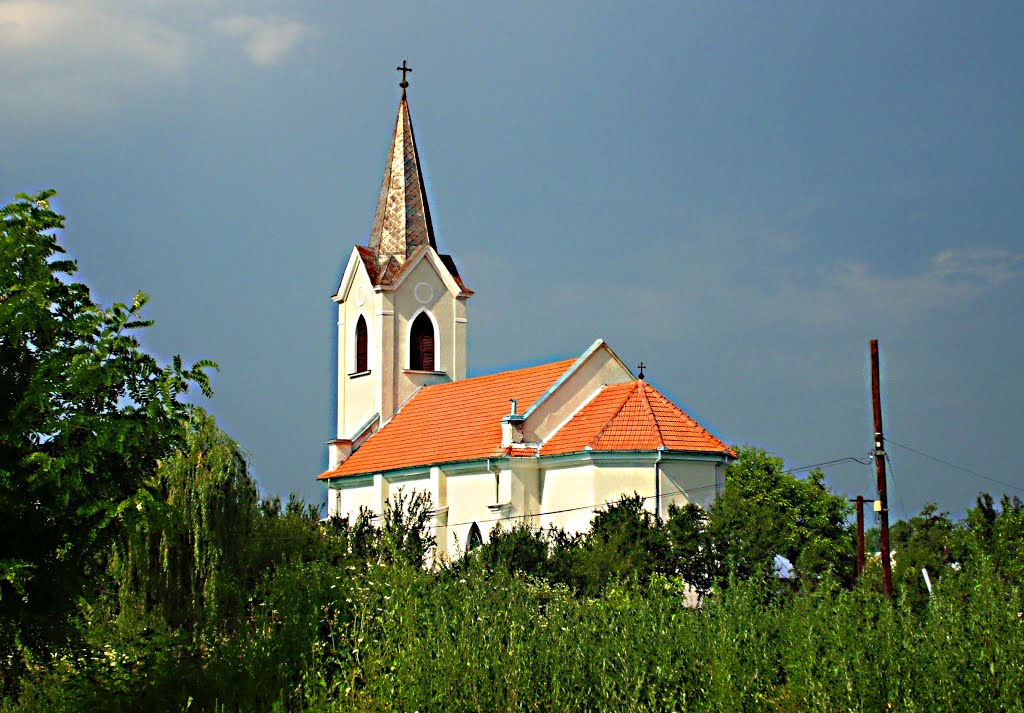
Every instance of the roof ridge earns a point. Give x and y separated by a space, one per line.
690 418
642 388
615 415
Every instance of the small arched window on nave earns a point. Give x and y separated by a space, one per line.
421 344
361 338
475 539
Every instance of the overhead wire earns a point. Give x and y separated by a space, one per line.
593 506
892 477
583 507
954 465
661 495
837 461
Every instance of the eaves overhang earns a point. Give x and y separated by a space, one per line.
577 457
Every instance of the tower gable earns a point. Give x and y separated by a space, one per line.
358 264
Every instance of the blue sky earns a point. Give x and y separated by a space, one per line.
741 195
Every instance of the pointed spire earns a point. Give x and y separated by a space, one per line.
402 221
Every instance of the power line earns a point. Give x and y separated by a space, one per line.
580 507
837 461
591 506
958 467
892 476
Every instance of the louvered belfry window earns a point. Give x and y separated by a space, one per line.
421 348
361 362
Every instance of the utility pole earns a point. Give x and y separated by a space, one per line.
876 402
860 533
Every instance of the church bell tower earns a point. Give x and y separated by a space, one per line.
402 317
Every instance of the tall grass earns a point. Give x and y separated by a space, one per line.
413 642
397 638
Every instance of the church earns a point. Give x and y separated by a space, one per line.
546 445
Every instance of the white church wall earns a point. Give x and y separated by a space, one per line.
524 494
385 344
611 482
461 327
600 368
411 486
462 493
687 481
357 397
564 488
351 494
469 494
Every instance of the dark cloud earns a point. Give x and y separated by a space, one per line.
742 198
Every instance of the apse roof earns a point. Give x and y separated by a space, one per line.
632 416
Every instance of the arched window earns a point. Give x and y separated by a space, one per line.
361 360
475 539
421 344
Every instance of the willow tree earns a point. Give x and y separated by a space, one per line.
188 552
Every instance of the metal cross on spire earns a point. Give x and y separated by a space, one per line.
404 69
641 366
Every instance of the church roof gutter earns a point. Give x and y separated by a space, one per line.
554 459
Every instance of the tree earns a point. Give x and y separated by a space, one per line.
405 533
998 534
625 542
766 512
518 550
923 541
188 555
86 415
694 554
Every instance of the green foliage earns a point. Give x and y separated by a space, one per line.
340 625
766 512
694 554
405 533
998 534
186 554
517 550
924 541
399 638
625 542
86 416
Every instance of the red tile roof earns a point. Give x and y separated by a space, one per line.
460 420
632 416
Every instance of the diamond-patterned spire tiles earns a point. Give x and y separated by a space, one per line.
402 221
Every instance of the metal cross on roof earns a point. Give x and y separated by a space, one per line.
404 69
641 366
